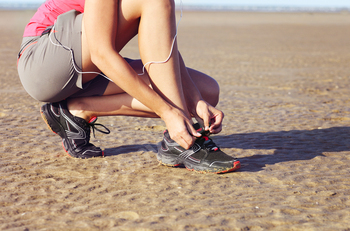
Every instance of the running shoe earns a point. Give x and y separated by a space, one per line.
74 131
204 156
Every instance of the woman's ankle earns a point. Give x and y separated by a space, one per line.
77 108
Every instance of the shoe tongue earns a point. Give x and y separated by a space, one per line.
209 144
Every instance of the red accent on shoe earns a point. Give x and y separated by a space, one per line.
93 119
236 165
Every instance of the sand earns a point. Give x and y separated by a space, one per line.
285 81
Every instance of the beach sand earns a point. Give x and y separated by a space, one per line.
285 81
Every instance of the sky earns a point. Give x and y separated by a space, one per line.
302 3
315 3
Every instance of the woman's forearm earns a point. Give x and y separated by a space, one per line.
120 72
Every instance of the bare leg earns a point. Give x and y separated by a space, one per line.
156 25
155 22
156 36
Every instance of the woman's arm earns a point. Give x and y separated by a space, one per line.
198 107
100 26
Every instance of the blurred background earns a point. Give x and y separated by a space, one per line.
238 5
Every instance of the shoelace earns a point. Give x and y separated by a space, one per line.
92 123
209 144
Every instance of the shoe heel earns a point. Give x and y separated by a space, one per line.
165 159
52 127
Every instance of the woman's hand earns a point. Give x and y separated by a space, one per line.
180 127
209 115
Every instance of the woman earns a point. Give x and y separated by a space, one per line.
67 46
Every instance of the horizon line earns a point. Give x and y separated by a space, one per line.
208 7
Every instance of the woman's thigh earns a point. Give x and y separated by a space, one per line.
127 23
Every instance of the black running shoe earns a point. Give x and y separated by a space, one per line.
204 156
74 131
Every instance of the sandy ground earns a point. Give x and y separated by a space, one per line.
285 81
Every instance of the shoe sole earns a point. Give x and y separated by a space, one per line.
235 166
170 161
56 130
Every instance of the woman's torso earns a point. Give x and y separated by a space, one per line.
48 13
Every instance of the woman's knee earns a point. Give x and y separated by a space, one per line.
212 93
207 86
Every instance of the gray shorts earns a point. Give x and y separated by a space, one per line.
47 71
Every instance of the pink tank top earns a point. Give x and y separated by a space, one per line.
48 13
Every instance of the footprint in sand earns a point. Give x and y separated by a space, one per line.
157 128
128 215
